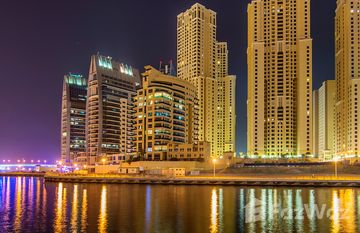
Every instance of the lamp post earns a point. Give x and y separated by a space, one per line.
103 160
336 172
214 162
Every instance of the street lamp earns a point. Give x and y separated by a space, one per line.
214 162
103 160
336 172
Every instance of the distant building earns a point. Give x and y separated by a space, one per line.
203 61
189 152
73 114
279 79
324 120
110 119
167 68
347 71
226 112
166 111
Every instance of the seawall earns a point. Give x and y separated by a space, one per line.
234 181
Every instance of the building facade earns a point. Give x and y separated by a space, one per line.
347 71
166 111
110 111
73 114
279 79
324 120
202 61
189 152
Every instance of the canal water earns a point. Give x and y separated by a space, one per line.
30 205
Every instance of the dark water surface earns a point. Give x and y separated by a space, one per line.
30 205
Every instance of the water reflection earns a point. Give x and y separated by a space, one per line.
18 207
214 212
103 211
60 211
26 203
74 209
84 207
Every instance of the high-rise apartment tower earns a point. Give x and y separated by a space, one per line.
203 62
324 120
347 71
110 117
279 78
73 113
166 112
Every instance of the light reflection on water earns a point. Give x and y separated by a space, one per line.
29 204
103 211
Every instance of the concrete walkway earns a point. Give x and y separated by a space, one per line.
305 181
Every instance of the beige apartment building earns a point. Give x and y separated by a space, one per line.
203 62
166 112
109 118
189 152
279 79
324 120
347 71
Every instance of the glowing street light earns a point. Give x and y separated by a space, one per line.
103 160
336 172
214 162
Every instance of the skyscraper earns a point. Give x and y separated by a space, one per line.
347 67
166 112
279 78
202 61
324 120
110 117
73 113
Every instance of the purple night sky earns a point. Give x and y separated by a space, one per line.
43 40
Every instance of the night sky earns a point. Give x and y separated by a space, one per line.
40 41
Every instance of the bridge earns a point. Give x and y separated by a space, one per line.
26 166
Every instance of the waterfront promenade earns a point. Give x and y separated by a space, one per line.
279 180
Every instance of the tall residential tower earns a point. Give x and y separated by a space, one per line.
347 71
324 120
166 112
73 113
110 114
202 61
279 78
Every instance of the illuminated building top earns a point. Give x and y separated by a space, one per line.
76 79
106 62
